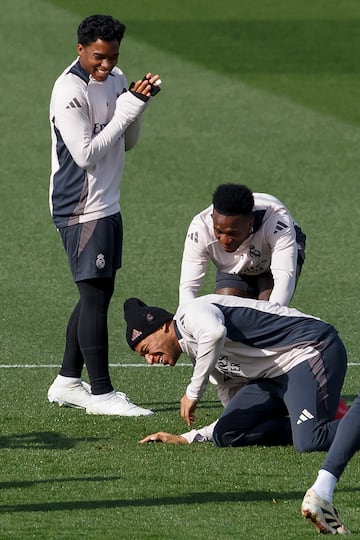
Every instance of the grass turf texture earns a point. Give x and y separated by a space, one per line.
256 92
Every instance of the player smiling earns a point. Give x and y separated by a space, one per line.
294 365
257 247
95 117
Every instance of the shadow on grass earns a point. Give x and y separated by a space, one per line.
31 483
41 440
186 499
162 406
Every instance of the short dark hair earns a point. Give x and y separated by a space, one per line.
233 199
103 27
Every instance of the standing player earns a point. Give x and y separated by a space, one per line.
255 244
94 120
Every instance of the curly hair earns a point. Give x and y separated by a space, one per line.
103 27
233 199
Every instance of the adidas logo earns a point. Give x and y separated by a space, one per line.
280 226
304 416
194 237
74 103
135 334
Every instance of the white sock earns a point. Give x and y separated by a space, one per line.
64 381
324 485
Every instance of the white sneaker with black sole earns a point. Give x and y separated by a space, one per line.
116 404
75 394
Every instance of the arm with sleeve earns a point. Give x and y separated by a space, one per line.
204 434
283 265
194 261
76 128
206 324
132 134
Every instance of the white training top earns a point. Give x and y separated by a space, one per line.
92 124
272 246
204 434
247 338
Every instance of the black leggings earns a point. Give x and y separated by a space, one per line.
346 442
87 335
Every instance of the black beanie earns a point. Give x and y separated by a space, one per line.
142 320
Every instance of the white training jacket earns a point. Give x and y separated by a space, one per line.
204 434
247 338
92 124
272 246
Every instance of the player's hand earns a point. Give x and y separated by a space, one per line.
187 410
144 85
162 436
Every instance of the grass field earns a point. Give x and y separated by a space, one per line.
259 92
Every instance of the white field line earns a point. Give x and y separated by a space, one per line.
35 366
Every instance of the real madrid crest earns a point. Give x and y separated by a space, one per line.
100 261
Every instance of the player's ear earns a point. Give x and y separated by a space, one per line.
165 326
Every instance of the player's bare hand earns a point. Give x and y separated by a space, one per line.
187 410
162 436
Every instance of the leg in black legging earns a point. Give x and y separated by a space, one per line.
87 334
346 441
73 361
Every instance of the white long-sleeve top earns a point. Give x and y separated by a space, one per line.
247 338
204 434
272 246
92 124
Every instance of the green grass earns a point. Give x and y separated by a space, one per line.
70 475
263 93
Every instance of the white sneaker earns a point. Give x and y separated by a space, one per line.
117 404
321 514
74 394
